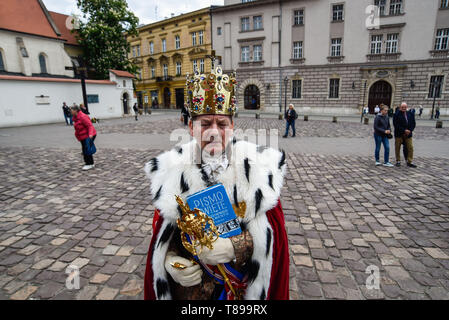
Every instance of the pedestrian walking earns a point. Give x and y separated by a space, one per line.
437 112
404 124
290 117
382 132
67 114
136 110
412 110
421 109
376 110
85 133
185 115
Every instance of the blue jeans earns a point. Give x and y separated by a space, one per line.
382 140
287 127
69 118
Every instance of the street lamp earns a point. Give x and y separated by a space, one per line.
435 83
285 89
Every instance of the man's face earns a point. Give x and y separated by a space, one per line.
384 111
212 132
403 107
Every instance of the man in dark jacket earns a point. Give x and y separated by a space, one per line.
404 124
290 117
67 114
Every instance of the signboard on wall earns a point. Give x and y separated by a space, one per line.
92 98
42 99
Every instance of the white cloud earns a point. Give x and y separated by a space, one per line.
146 11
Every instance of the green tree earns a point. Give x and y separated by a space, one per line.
102 34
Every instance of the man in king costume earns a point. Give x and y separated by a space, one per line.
256 261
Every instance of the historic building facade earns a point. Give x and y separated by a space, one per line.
165 51
334 57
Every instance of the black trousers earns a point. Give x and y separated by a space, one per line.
88 159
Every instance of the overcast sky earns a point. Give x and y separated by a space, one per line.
145 10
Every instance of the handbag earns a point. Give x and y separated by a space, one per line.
90 147
389 136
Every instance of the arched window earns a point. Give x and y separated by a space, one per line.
43 63
2 63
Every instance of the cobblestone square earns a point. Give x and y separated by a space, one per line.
342 213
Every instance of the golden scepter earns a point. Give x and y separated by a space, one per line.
193 223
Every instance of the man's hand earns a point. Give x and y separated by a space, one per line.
188 277
91 137
387 131
223 252
407 132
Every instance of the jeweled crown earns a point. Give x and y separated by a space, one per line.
210 93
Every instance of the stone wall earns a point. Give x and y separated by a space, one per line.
352 95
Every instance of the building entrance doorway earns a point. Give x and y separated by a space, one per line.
380 92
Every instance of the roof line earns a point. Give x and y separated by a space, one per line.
50 20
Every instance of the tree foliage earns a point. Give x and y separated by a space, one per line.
102 34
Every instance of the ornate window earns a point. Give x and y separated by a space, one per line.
201 65
395 7
296 89
298 17
257 52
164 45
245 54
381 4
435 86
441 40
376 44
201 37
193 38
336 47
43 63
257 22
151 47
177 42
297 50
245 24
337 12
392 43
334 88
178 68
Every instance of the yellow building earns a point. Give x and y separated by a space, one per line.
165 51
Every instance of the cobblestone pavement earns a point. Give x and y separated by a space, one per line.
315 128
343 215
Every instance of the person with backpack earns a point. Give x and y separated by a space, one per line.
85 133
290 117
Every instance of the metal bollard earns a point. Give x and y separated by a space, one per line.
334 119
365 120
439 124
306 118
257 115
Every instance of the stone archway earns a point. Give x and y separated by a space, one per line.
125 98
240 93
380 92
251 97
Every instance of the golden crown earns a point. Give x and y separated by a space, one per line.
210 93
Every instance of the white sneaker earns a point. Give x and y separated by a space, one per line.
378 163
388 164
88 167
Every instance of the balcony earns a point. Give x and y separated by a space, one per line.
164 78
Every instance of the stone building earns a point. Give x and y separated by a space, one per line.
165 51
334 57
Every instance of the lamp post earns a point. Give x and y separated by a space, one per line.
285 90
80 70
435 83
363 102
